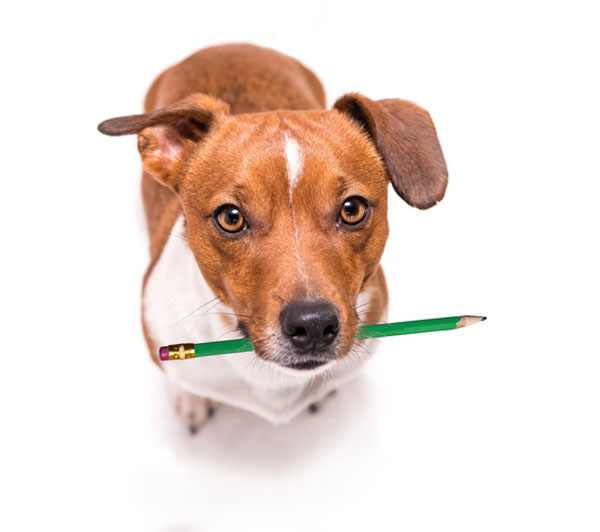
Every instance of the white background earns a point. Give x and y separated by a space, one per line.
495 427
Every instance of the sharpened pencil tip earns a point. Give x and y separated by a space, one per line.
469 320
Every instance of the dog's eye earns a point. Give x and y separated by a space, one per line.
354 210
230 219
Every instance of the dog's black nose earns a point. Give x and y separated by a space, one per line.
310 325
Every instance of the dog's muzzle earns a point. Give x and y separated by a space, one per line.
311 328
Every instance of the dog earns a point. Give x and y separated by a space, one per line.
267 219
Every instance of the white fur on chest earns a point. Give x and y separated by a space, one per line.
179 307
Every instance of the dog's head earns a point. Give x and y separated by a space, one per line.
286 211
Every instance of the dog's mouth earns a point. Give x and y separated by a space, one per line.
311 363
243 329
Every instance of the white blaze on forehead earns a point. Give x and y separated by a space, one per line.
294 162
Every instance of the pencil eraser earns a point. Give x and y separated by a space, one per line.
163 352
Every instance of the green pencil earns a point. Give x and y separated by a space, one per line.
183 351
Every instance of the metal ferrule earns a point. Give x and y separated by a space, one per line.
181 351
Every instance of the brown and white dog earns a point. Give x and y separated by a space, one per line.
267 217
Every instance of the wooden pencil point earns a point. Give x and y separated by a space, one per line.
465 321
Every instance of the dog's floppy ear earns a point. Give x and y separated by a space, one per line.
407 142
166 135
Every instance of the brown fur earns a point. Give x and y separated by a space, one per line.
213 134
406 138
252 274
249 79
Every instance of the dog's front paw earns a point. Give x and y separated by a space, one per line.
192 409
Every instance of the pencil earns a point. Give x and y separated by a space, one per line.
185 351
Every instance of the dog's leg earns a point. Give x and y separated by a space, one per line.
313 408
192 409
